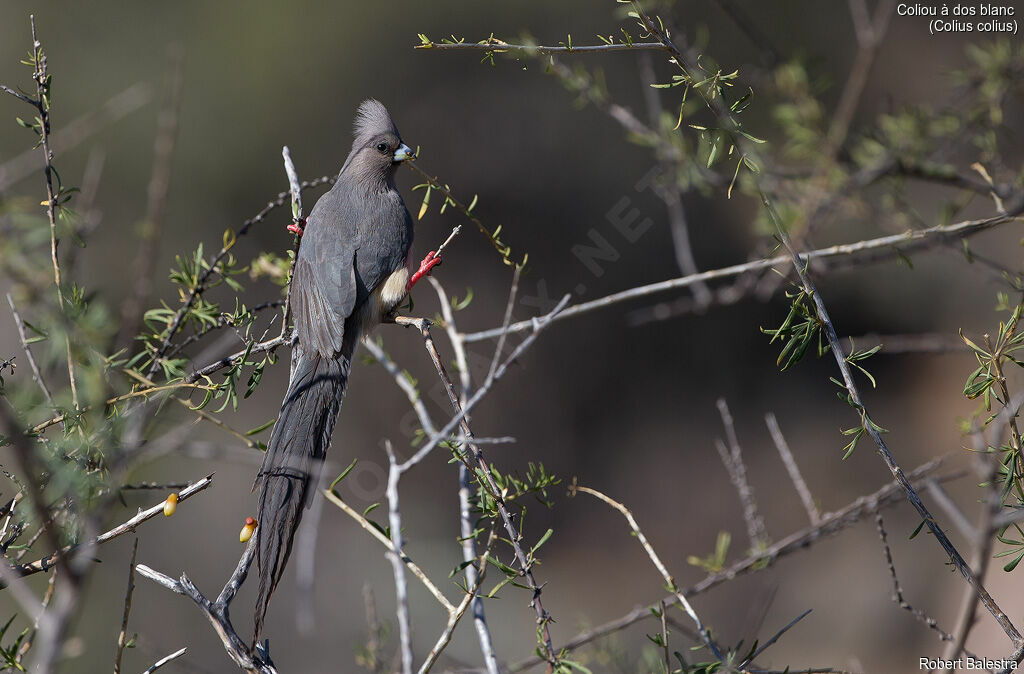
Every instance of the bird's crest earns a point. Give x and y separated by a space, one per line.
372 119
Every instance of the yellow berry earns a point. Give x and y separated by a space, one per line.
170 505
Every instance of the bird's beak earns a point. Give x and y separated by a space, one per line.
403 152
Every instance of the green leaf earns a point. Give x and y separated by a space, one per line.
262 427
343 475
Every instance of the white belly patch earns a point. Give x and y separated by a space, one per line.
393 289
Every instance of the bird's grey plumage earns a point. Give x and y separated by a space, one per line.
349 273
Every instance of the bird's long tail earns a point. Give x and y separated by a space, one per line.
291 467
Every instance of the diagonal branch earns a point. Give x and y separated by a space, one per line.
669 580
895 244
20 325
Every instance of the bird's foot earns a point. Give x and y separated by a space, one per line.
429 262
297 226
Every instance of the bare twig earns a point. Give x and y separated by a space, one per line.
20 96
122 637
395 557
659 565
920 343
20 325
26 645
663 614
401 561
248 660
897 591
732 457
453 620
513 290
794 471
403 382
777 635
229 361
163 661
298 220
538 325
162 486
953 511
389 545
869 38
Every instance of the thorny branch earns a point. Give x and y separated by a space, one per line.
214 265
897 590
829 524
893 245
497 46
732 457
481 467
725 116
467 527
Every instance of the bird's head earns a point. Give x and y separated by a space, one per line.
377 149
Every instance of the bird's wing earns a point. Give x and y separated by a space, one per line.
324 288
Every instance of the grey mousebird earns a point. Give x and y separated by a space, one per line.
353 269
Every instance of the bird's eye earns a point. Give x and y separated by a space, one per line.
382 147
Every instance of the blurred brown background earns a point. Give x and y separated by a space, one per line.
628 410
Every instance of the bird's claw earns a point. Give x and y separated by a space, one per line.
297 227
429 262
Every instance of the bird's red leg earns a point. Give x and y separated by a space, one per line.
429 262
297 226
